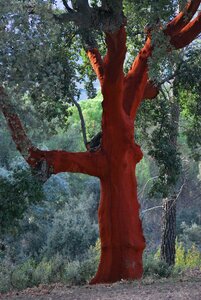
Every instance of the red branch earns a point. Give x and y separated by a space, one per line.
187 34
150 91
114 59
182 32
19 136
183 18
63 161
136 81
97 63
57 160
112 88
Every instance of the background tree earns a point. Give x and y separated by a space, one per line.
165 144
121 245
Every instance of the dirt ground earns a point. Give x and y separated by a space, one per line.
186 287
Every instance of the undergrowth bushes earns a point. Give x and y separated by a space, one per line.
58 269
185 259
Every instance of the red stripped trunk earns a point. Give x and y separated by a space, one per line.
122 240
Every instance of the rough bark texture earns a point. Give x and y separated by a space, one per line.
169 231
169 206
114 162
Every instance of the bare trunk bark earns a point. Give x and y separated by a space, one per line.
169 204
169 231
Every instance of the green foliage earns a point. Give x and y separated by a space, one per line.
38 66
92 112
30 272
156 130
191 113
193 257
185 259
6 269
72 229
21 276
180 255
145 15
143 172
155 267
80 272
17 192
8 150
190 234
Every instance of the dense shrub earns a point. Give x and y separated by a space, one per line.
72 230
18 191
155 267
189 258
57 269
185 259
77 272
6 269
190 235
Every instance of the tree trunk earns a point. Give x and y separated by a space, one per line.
169 204
169 231
122 240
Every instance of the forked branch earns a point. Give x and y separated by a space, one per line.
187 34
183 18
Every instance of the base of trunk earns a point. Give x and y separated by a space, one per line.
117 263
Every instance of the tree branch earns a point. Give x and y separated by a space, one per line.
96 63
187 34
107 18
55 161
63 161
181 33
70 10
66 17
116 51
151 208
22 142
109 5
136 81
183 18
83 127
150 91
112 86
81 5
93 54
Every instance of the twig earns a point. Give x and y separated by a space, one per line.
66 6
142 193
151 208
83 126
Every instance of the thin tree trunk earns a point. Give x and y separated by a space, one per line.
169 231
169 204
